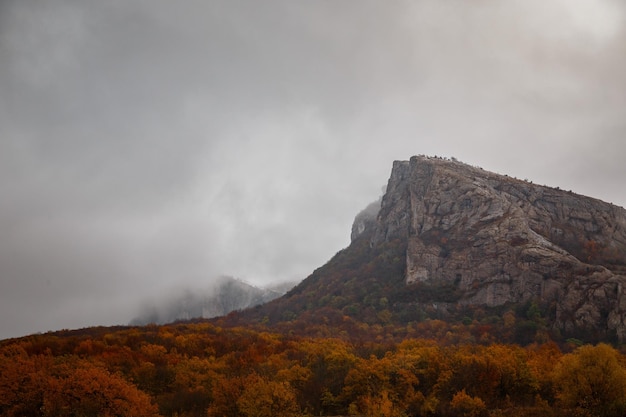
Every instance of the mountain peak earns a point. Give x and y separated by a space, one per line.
500 240
448 236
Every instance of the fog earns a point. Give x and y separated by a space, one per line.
147 146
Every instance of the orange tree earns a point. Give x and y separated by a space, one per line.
45 385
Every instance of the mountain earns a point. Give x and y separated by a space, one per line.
228 294
415 317
455 242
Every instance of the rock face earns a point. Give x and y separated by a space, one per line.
366 219
500 240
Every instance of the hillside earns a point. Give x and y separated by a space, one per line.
454 242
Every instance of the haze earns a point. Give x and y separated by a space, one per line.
151 145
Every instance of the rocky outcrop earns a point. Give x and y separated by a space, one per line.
365 220
500 240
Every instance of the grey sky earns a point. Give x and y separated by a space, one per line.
150 144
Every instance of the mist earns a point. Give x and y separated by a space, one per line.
146 146
222 296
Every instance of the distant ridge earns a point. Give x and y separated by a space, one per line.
226 295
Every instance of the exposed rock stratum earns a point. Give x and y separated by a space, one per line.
498 240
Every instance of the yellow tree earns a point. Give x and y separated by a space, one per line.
467 406
592 379
377 405
265 398
541 362
516 381
388 386
328 362
474 372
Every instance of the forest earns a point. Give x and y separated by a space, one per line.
206 369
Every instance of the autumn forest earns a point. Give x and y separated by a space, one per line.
204 369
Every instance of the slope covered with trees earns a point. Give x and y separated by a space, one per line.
361 292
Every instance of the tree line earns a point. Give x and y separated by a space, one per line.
203 369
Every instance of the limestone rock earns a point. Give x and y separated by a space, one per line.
501 240
365 220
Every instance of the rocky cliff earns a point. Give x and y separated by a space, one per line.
496 240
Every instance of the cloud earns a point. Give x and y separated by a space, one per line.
149 145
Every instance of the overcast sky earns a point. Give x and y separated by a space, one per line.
151 144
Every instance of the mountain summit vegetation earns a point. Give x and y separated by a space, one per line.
462 293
